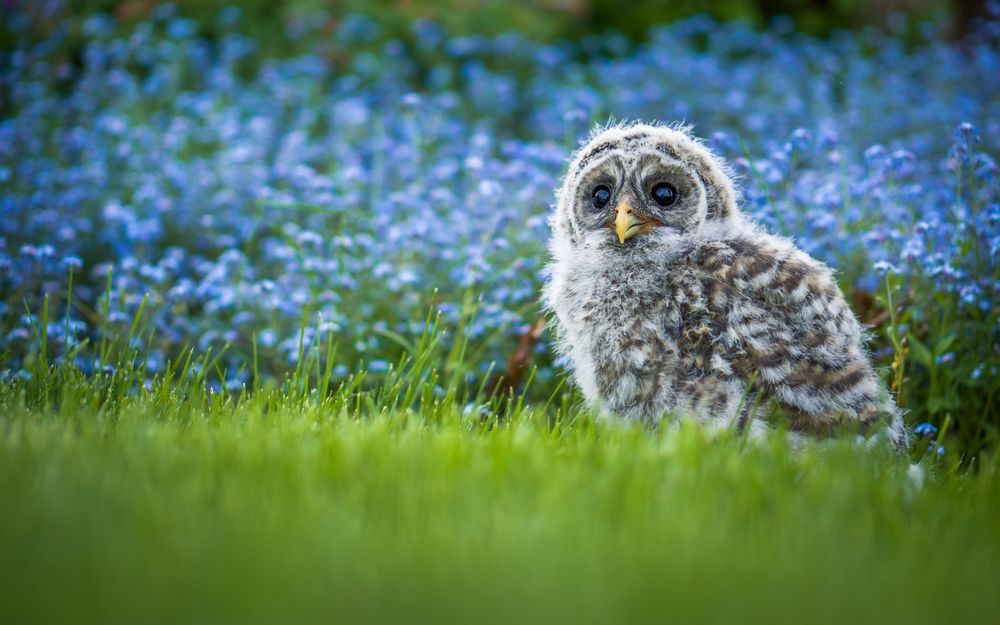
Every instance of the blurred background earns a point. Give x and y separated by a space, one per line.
543 19
255 177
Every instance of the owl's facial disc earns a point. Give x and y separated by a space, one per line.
628 223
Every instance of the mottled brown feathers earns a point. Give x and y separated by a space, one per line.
707 315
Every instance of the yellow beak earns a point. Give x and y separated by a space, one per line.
626 223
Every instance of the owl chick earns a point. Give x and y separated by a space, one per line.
670 302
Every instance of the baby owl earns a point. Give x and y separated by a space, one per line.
670 302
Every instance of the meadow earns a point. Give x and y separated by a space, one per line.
260 316
187 507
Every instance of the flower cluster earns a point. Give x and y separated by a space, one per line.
232 192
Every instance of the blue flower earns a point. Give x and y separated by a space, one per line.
237 190
966 133
945 359
885 268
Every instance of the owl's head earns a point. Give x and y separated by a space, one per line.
636 184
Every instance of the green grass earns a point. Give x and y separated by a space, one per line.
385 502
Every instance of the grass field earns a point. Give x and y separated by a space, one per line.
174 506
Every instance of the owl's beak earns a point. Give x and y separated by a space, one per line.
627 224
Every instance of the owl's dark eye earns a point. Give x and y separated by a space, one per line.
664 193
601 195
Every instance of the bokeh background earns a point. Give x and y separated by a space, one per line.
255 180
556 19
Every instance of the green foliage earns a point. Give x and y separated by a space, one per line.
167 502
546 20
945 355
413 496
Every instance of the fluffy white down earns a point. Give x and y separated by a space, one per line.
635 311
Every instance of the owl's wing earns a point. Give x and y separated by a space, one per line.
786 326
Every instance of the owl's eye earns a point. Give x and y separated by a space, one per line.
601 195
664 193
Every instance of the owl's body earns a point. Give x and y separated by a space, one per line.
670 303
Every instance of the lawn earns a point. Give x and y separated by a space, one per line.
218 509
271 347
